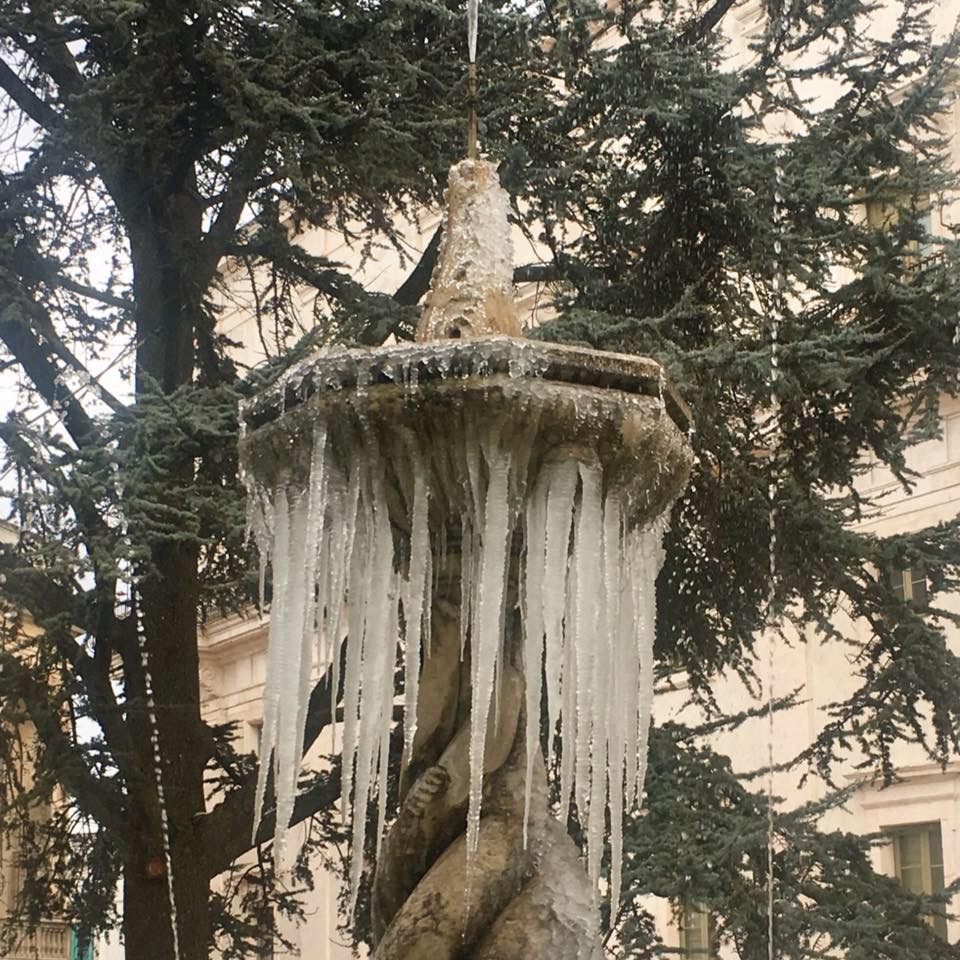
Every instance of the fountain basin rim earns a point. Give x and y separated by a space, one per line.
366 368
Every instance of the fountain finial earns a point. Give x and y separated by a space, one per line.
471 290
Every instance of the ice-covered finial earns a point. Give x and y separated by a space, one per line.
471 291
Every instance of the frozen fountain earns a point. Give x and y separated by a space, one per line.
483 512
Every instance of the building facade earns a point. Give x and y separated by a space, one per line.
52 939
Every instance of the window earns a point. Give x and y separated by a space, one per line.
253 737
910 584
918 862
696 930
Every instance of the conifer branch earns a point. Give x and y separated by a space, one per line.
90 793
697 29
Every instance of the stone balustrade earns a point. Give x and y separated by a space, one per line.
51 940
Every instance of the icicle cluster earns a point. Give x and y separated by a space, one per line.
586 582
589 612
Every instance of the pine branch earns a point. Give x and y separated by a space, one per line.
92 794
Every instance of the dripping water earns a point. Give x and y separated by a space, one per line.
776 314
157 772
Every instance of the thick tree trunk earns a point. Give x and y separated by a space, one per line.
168 599
170 629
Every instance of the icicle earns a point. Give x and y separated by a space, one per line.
277 652
653 555
562 478
288 737
415 590
568 695
361 562
618 683
485 633
585 635
532 586
385 717
376 673
310 515
341 544
472 18
586 588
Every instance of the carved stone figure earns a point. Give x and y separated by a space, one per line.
515 899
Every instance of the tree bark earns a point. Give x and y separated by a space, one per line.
167 308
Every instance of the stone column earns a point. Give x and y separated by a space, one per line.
528 900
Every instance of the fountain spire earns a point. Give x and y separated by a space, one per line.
471 290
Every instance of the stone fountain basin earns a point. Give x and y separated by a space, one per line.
419 402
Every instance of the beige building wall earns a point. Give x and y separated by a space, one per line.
232 674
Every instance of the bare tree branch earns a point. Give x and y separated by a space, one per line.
225 832
50 51
241 174
91 293
418 282
537 273
36 109
44 325
699 28
36 359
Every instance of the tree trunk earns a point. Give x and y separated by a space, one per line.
164 816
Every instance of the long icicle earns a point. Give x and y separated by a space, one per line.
532 586
485 635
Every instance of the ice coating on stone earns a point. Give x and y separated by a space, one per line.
345 544
471 288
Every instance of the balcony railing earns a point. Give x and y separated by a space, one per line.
49 941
